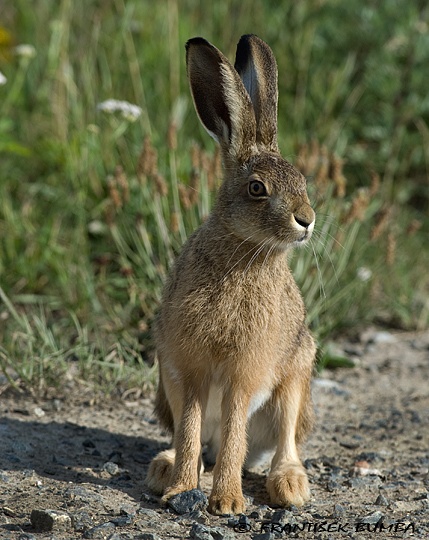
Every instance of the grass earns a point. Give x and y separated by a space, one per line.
95 205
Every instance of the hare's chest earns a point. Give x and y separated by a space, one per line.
231 320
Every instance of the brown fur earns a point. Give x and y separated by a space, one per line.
235 355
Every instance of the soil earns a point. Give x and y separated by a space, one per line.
367 460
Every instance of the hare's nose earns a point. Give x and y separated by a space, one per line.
305 222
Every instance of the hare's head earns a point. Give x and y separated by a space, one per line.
263 198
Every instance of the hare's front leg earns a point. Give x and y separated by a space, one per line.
227 496
187 443
287 481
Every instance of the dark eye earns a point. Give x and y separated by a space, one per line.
257 189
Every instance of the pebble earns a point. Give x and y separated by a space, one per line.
4 477
200 532
81 521
100 531
373 518
78 493
87 443
264 536
149 536
39 412
339 510
365 471
122 521
383 337
50 520
188 501
282 516
381 500
258 513
148 513
111 468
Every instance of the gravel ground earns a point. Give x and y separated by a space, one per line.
71 468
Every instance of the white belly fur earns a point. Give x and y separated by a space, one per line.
211 430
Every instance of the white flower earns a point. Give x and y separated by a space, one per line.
3 79
364 274
25 51
129 111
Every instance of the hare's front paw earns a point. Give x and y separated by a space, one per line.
178 488
160 470
220 504
289 485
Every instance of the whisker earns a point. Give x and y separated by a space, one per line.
255 256
319 272
255 246
239 246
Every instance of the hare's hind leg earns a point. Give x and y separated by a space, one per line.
160 470
161 467
287 481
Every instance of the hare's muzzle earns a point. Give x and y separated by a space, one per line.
303 221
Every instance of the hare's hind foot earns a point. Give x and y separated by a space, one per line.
289 485
160 471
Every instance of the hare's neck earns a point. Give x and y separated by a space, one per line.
238 254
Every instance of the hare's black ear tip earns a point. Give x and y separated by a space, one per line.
196 41
246 38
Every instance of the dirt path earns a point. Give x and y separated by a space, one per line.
367 459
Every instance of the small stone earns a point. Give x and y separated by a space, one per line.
281 516
39 412
218 533
148 513
81 521
127 510
257 514
122 521
50 520
87 443
200 532
232 522
188 501
365 470
381 500
373 518
100 531
149 536
27 536
78 493
339 510
4 477
264 536
332 485
111 468
383 337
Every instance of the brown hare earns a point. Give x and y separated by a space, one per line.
235 354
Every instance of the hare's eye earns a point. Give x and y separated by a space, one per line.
257 189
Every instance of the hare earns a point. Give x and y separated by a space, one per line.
235 354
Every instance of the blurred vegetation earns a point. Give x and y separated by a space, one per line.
94 204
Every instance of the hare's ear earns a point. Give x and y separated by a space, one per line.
221 101
257 68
